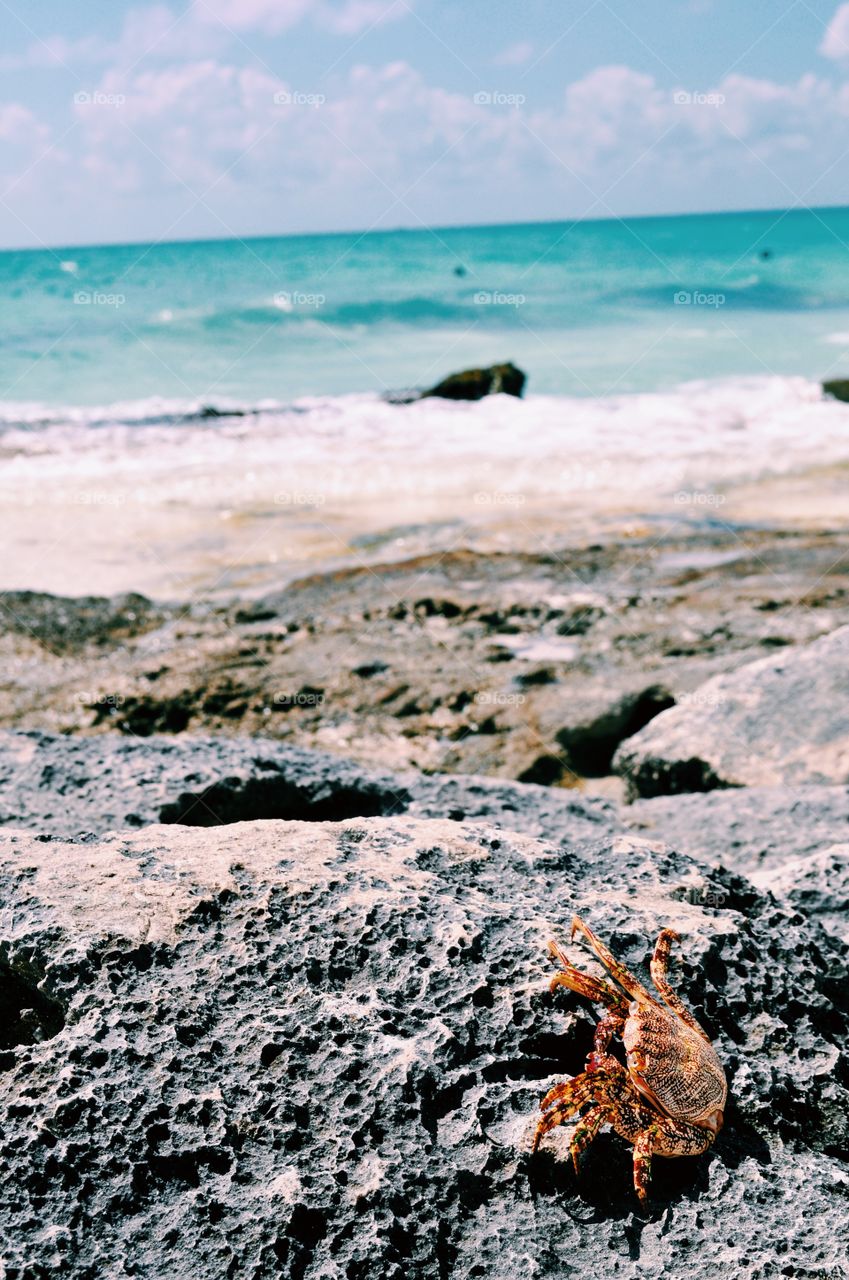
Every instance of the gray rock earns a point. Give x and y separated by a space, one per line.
317 1050
791 842
817 884
780 720
70 786
748 829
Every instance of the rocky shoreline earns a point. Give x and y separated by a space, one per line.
277 878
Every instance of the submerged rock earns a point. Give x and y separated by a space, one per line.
780 720
474 384
838 388
317 1050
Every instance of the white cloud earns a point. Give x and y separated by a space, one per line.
244 15
615 142
149 31
20 127
343 17
836 40
354 16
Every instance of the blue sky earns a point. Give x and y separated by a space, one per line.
125 121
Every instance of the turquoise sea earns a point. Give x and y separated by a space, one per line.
673 363
587 308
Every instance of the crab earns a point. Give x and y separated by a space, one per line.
670 1099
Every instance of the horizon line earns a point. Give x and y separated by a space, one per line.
420 230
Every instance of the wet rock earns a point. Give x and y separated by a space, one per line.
780 720
474 384
837 388
318 1050
66 625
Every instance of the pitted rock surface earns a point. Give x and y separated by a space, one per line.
317 1050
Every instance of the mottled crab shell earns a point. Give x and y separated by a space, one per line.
677 1070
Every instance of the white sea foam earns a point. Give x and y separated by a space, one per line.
135 491
498 452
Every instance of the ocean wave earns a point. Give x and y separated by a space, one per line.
151 412
694 404
752 293
295 309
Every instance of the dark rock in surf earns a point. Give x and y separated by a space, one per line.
837 388
474 384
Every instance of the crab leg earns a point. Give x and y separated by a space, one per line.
665 1137
595 989
570 1095
585 1131
604 1033
659 967
623 976
561 1102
